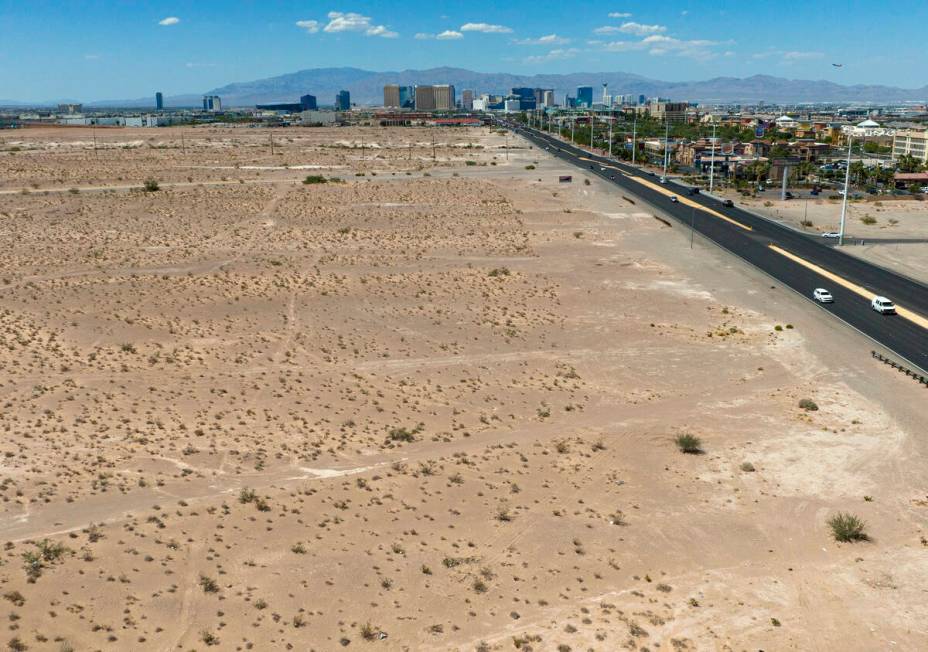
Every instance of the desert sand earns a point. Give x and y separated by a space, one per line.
430 404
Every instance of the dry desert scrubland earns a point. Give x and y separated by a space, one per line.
438 402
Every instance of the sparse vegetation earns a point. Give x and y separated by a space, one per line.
689 444
151 185
808 405
847 528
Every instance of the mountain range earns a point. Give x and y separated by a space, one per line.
366 88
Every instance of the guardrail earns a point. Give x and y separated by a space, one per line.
902 368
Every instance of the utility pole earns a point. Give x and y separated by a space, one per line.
271 139
573 122
183 142
712 164
95 139
592 126
847 183
433 146
783 188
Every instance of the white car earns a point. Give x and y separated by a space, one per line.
663 179
831 234
883 306
822 296
673 198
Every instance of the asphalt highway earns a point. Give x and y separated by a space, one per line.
800 261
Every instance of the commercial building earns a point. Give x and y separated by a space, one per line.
444 97
547 98
398 97
159 102
911 142
343 101
425 98
70 108
467 99
212 103
306 103
313 117
512 106
669 111
585 96
525 96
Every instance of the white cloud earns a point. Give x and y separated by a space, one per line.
619 14
486 28
659 44
353 22
91 57
380 30
422 36
311 26
802 56
554 55
606 29
170 20
192 64
641 30
550 39
790 56
449 35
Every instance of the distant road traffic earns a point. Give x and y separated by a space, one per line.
802 262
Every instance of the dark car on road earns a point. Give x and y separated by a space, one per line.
728 202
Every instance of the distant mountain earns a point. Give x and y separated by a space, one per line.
366 87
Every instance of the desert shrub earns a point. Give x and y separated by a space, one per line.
208 584
247 495
808 405
689 444
314 178
847 527
868 219
470 162
747 467
499 271
529 167
151 185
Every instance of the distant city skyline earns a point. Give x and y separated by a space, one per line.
94 51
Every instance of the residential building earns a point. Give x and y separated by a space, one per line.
343 101
425 98
444 97
467 99
911 142
584 96
159 101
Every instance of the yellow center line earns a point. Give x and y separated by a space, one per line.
913 317
682 200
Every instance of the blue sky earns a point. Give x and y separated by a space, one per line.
121 49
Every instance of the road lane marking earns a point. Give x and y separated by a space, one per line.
665 191
905 313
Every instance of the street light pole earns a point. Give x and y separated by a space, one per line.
712 162
847 181
592 126
666 147
610 138
634 137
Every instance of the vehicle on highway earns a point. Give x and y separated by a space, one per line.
612 177
822 296
692 191
651 174
602 169
883 306
789 195
831 234
673 198
728 203
663 179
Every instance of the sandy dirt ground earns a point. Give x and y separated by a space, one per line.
891 233
429 405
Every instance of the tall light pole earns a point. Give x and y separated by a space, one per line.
592 125
610 137
573 122
712 163
847 181
666 147
634 137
